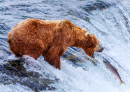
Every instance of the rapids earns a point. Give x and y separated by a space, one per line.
108 20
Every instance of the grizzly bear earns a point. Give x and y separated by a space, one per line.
50 38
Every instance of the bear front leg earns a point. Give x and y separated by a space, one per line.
55 61
52 57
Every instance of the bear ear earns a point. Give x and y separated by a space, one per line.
84 30
87 34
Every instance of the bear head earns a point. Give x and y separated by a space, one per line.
91 44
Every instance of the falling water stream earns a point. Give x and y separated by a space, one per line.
108 20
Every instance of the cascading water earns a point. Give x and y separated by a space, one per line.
109 21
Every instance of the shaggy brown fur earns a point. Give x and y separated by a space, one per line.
50 38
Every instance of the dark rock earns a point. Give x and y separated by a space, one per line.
17 73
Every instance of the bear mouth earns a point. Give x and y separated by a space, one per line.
99 48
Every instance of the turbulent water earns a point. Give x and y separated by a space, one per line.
108 21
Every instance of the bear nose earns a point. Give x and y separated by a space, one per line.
100 48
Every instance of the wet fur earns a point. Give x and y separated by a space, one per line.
50 38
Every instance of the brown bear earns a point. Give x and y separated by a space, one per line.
50 38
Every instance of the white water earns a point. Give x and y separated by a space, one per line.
111 26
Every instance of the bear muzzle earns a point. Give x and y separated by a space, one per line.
99 48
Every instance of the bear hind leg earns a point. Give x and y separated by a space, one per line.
17 55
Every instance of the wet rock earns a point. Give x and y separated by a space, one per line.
14 72
38 84
100 5
71 57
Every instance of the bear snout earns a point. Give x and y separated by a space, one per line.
99 48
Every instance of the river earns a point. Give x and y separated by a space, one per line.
108 20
